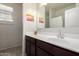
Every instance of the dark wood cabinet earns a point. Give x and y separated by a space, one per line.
32 49
40 52
30 46
36 47
55 50
27 50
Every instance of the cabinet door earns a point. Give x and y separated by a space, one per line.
45 46
32 49
40 52
28 48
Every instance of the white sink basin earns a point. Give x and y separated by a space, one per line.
55 38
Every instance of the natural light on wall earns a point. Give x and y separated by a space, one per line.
6 13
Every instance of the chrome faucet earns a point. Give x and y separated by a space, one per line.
60 34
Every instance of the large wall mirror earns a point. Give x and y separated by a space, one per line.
56 16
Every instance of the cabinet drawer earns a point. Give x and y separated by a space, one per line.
32 40
28 38
40 52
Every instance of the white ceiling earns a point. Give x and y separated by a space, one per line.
58 5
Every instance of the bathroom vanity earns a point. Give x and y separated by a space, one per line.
59 32
38 47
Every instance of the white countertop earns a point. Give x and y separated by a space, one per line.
67 43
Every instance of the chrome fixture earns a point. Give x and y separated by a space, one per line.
60 35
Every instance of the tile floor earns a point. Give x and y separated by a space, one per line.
16 51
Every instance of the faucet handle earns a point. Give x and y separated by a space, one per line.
58 35
62 35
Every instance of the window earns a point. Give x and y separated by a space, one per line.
6 13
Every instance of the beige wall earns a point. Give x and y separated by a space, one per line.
11 34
